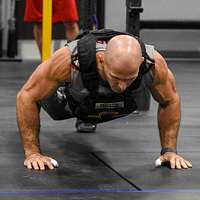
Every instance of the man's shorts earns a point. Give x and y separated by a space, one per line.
63 11
56 106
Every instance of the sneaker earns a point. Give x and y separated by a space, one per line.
85 127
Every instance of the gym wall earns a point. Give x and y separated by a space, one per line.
115 16
166 40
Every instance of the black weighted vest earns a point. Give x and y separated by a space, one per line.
101 104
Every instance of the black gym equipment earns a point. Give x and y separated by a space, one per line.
101 13
12 37
169 24
91 14
8 31
176 25
1 42
1 32
133 10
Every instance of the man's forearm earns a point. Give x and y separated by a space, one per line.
29 124
168 124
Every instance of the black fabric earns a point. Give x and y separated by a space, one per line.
101 104
87 60
55 108
87 57
106 105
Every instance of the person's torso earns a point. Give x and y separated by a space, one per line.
104 104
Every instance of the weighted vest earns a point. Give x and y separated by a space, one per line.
98 103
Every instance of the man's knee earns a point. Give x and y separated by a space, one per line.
70 25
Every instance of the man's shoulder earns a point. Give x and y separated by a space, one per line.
60 64
161 68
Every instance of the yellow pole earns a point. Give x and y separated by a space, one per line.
46 29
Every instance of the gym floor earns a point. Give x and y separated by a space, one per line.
117 162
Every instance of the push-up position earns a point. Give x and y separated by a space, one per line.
94 79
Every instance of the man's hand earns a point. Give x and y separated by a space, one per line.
176 161
37 161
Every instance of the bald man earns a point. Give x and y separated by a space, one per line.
94 79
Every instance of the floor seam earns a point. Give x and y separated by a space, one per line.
116 172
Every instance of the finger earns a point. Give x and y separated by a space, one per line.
188 163
172 163
35 165
183 164
28 165
178 165
41 165
49 164
54 162
158 162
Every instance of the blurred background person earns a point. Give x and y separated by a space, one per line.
63 11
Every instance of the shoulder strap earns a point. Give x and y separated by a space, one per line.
87 61
87 56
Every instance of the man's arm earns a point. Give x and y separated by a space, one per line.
42 83
169 114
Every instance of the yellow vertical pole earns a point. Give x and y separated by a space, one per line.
46 29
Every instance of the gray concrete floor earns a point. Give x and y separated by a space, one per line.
113 163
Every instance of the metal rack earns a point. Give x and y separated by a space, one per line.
1 30
91 14
8 39
133 10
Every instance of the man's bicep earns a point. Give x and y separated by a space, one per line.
164 86
164 92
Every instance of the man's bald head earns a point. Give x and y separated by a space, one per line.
123 55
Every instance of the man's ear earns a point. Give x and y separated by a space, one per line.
100 57
142 59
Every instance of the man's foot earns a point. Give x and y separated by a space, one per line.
85 127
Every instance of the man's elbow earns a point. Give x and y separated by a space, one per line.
22 96
176 99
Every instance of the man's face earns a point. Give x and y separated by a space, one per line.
119 81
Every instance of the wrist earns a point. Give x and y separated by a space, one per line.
168 149
31 152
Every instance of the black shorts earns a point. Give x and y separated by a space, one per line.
56 108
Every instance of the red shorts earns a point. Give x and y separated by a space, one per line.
63 10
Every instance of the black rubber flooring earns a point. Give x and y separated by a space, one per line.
117 162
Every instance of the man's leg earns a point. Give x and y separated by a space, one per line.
71 30
58 109
37 32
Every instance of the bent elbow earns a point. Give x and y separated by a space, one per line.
20 96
